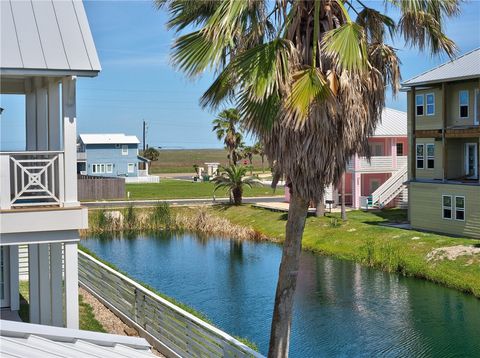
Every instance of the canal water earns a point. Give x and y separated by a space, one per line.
341 308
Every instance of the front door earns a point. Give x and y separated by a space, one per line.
471 160
4 277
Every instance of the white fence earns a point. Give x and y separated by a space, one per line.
170 329
32 179
142 179
377 164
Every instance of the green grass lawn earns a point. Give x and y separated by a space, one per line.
362 239
182 189
88 321
182 160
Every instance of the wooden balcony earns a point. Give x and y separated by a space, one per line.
377 164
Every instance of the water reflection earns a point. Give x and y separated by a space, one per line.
341 308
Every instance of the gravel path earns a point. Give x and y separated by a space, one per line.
110 322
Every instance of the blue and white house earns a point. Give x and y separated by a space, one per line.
112 155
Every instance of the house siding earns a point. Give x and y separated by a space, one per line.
425 205
437 171
453 105
434 121
109 154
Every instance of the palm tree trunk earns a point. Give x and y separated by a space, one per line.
320 207
237 196
344 210
287 278
263 164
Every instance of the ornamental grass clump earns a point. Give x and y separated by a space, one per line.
160 217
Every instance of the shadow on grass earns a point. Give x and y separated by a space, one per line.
397 216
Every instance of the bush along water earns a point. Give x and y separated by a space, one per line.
161 217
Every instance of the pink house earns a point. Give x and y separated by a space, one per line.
378 182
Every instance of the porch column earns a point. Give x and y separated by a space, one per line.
56 286
33 283
53 115
71 284
30 116
14 293
5 182
42 121
44 284
394 152
70 140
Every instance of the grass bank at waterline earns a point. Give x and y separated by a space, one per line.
454 262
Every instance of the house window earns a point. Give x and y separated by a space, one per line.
131 167
399 149
98 168
447 206
460 208
420 156
109 168
124 149
430 99
430 156
419 104
463 99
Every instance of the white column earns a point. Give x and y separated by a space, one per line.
70 140
44 284
56 283
42 118
5 182
71 284
14 293
30 116
33 278
53 115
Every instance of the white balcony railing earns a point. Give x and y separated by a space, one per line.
377 164
31 179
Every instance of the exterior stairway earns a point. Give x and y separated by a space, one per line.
393 188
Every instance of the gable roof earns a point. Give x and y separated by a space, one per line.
46 36
463 67
19 339
393 124
113 138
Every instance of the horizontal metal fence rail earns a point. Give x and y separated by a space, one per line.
170 329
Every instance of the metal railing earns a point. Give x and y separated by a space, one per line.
390 189
32 178
377 164
170 329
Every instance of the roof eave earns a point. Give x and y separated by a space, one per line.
29 72
405 86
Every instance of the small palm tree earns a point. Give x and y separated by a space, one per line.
226 127
234 179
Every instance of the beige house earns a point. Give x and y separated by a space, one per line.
444 133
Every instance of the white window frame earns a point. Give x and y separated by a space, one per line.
447 207
475 171
426 104
476 114
428 157
417 157
396 149
417 105
460 103
98 168
461 209
107 170
124 149
133 168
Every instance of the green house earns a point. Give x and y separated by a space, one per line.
444 133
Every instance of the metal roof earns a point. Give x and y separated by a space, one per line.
19 339
46 37
113 138
393 124
464 67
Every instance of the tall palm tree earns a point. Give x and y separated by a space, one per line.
260 150
309 78
234 179
226 127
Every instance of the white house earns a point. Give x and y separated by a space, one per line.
45 46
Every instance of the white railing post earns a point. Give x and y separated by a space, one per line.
69 114
71 284
5 182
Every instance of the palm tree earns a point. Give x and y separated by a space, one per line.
226 127
258 149
309 79
234 179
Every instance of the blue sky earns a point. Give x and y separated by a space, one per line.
137 81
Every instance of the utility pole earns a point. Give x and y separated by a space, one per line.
144 125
